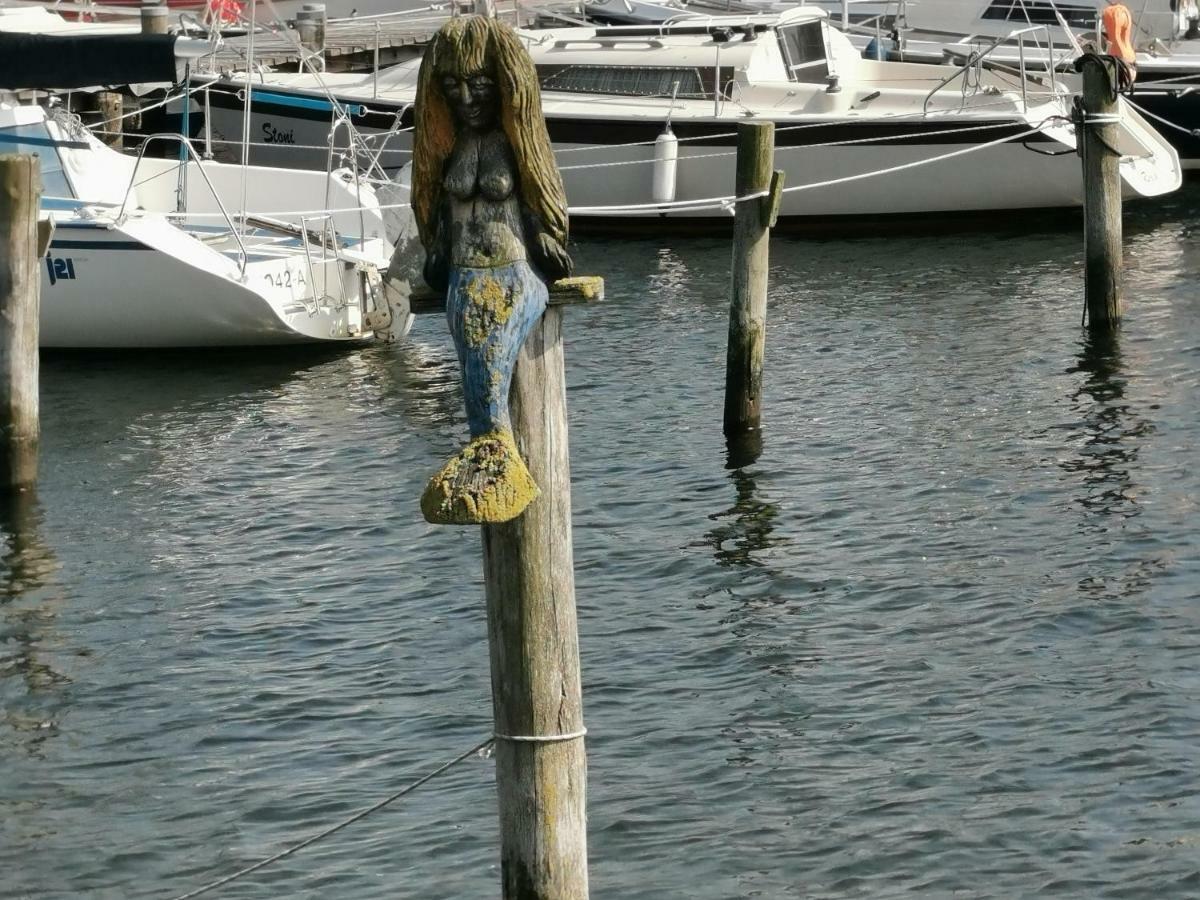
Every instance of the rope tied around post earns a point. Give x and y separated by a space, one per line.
1120 74
541 738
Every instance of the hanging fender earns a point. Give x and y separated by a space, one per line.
1118 29
666 155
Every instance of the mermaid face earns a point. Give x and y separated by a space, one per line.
473 100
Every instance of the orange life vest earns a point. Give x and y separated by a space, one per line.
1118 26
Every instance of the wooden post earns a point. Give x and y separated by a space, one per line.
485 8
310 23
154 18
529 580
534 643
20 305
112 107
1101 197
748 302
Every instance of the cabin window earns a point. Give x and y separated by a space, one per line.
803 49
35 139
629 81
1040 12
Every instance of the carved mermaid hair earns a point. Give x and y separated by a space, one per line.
462 47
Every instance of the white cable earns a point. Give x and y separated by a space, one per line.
1158 118
915 163
540 738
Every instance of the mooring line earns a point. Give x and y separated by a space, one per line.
328 831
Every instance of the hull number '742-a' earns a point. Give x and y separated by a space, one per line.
60 268
285 279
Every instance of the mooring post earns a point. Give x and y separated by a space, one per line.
20 304
748 301
529 582
529 577
1098 136
111 106
154 18
310 23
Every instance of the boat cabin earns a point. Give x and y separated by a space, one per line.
692 59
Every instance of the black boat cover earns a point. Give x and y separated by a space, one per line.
78 61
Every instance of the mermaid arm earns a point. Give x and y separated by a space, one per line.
437 258
548 255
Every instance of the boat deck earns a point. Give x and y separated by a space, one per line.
354 44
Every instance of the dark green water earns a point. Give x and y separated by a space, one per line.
942 638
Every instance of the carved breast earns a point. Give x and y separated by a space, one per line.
481 167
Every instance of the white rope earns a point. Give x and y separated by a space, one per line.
915 163
844 143
890 117
328 831
727 202
698 205
1193 132
541 738
142 109
702 203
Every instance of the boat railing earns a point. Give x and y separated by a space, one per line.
975 60
352 151
877 20
168 136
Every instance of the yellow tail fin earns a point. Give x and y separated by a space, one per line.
485 483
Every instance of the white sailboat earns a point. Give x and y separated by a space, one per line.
856 137
151 252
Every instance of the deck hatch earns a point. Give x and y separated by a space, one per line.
803 49
629 81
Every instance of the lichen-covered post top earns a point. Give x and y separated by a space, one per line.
492 216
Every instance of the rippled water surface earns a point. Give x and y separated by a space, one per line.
942 637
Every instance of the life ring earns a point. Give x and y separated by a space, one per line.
1118 28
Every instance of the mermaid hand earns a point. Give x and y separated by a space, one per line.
551 257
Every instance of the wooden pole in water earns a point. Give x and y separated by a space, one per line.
112 108
155 18
748 302
529 575
1101 196
529 581
20 302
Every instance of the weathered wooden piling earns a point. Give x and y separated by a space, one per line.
529 577
748 301
155 18
111 106
541 762
20 305
1098 136
310 24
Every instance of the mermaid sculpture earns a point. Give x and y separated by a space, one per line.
492 215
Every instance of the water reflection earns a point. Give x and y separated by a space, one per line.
1110 431
743 449
27 619
744 530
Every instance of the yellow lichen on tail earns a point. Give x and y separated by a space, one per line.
588 288
484 483
489 305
